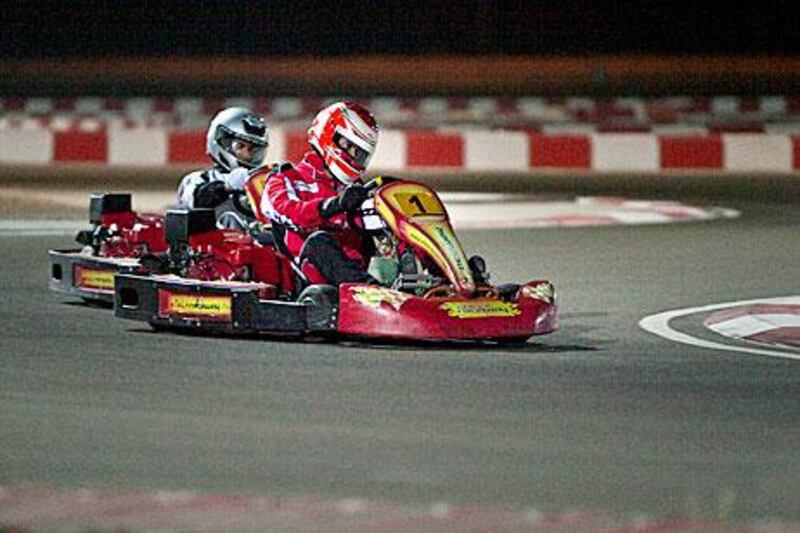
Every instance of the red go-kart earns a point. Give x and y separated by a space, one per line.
232 282
116 243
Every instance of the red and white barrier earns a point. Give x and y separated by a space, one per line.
459 150
549 109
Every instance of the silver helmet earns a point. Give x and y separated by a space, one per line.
237 137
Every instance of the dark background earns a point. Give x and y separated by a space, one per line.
237 28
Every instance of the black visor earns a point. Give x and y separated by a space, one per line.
257 150
355 152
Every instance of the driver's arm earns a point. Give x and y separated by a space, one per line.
198 190
281 202
211 194
201 191
348 201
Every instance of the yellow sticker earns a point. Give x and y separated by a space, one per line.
544 292
373 296
480 309
95 279
209 306
418 203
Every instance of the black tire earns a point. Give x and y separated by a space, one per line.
508 291
322 306
322 295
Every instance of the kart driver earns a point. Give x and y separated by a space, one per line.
236 141
309 203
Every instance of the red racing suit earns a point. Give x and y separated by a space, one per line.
291 200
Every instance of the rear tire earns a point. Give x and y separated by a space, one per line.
319 295
322 308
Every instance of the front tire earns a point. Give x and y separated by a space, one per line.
508 291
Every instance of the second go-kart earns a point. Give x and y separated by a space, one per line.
226 281
121 240
118 239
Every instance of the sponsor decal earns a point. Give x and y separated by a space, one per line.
374 296
481 309
94 279
418 203
543 291
195 305
454 251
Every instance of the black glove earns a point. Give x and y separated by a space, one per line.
210 194
347 202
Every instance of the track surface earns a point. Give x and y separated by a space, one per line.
600 415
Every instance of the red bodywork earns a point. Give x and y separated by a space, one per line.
233 255
459 310
133 234
371 311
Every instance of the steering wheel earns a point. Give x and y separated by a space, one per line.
241 203
377 182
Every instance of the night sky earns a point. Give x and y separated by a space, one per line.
238 28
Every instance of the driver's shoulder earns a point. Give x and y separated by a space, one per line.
200 175
279 168
282 166
205 174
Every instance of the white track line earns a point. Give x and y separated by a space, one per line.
467 211
41 228
658 324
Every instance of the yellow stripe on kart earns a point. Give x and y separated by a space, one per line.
209 306
95 279
481 309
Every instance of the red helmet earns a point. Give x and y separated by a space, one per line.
344 134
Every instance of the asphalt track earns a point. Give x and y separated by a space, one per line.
600 415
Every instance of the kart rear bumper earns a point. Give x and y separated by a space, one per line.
215 306
89 277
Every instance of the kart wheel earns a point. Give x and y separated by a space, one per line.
320 295
322 303
508 291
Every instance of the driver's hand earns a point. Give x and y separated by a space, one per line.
352 197
348 201
236 179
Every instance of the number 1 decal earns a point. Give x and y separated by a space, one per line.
418 203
